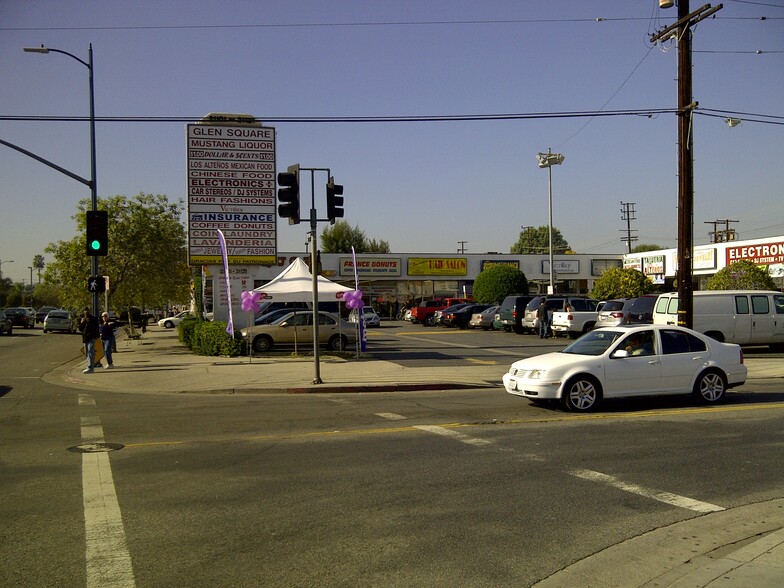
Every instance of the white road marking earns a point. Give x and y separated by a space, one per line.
666 497
86 400
108 561
453 434
391 416
658 495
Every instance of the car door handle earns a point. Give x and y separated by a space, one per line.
653 361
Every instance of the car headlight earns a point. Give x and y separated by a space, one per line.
536 374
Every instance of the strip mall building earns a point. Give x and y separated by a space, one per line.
407 278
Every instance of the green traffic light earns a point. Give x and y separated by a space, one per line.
95 245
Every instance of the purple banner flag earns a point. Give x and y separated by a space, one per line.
230 327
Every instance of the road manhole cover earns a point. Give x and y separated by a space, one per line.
96 447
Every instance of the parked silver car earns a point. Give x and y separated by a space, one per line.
612 313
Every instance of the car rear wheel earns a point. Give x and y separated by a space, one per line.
338 343
168 325
581 394
710 386
262 343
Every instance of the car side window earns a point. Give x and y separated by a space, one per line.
760 305
680 342
326 320
639 344
778 302
741 305
299 320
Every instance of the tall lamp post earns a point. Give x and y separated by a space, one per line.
1 266
548 160
93 190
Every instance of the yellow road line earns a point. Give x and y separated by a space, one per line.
414 428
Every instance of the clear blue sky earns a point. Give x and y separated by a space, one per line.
420 186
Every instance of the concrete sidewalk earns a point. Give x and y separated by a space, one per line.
736 548
158 362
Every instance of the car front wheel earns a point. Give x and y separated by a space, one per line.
262 343
338 343
581 394
710 386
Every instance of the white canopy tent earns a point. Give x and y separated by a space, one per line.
295 284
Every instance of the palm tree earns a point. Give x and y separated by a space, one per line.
38 264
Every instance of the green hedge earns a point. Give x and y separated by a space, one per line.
210 338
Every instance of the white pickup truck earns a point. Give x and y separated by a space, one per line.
573 322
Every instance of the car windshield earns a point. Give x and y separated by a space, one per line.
593 343
58 314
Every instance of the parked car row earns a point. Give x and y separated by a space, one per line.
745 317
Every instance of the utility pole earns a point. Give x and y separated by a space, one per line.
627 214
682 32
527 230
717 236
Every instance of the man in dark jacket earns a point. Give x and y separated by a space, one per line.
543 314
90 332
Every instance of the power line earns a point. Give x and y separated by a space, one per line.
361 119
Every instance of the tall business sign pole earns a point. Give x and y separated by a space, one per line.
231 188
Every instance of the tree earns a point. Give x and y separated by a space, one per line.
38 264
374 246
643 247
341 237
537 241
741 275
497 282
619 282
146 264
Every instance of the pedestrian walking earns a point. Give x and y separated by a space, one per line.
543 314
107 338
90 332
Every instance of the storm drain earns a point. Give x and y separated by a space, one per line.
96 447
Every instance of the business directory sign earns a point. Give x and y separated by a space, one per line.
231 187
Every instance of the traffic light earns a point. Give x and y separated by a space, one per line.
96 284
97 222
334 200
288 194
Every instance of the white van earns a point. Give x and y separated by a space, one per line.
745 317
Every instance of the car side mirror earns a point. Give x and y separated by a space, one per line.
620 353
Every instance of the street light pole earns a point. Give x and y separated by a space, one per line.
93 187
1 266
548 160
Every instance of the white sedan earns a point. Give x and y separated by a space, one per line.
172 321
617 362
372 319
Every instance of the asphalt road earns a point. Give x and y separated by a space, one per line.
469 488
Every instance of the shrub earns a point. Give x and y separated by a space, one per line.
741 275
210 338
619 282
497 282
